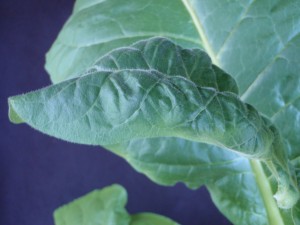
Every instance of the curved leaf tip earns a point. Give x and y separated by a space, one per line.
12 114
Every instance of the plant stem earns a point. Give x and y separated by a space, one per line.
272 210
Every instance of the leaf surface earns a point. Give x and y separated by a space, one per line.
154 89
260 49
257 42
139 92
150 219
98 26
170 160
102 207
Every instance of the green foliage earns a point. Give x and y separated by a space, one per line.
171 113
120 25
102 207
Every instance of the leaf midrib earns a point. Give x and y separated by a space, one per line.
272 210
202 35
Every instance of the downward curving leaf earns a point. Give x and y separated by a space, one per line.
152 89
103 207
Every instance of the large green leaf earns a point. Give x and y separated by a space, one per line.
260 48
103 207
139 92
257 42
98 26
152 89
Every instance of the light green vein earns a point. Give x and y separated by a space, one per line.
273 118
201 32
273 212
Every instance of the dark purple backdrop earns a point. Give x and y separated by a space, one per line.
39 173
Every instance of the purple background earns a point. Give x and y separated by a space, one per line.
39 173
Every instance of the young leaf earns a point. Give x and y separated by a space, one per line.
102 207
